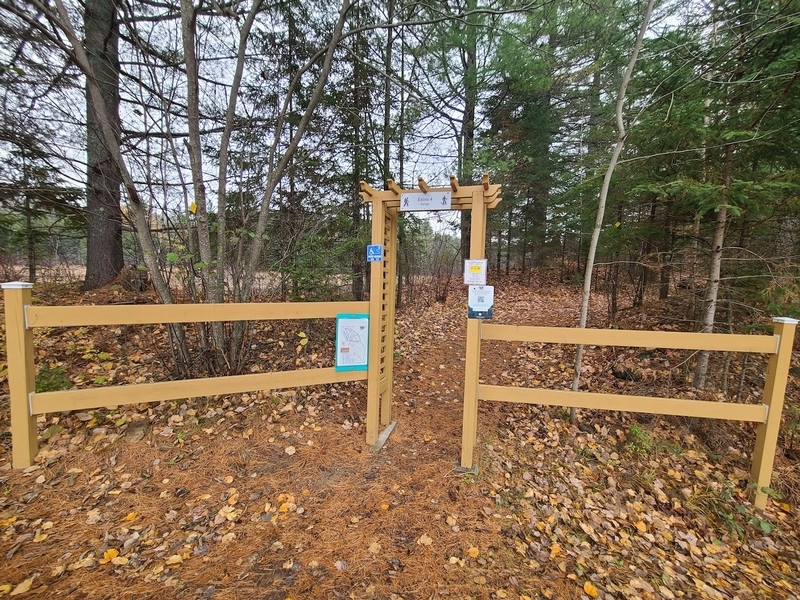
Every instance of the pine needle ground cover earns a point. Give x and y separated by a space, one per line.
274 495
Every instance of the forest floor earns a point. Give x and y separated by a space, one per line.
274 495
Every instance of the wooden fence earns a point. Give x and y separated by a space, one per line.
767 414
26 403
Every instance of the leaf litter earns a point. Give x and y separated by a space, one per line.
274 494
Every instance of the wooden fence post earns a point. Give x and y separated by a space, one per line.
774 391
469 424
21 373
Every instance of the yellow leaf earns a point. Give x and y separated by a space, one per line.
301 334
175 559
40 537
524 597
130 516
119 560
785 507
5 588
501 593
590 589
641 526
374 548
304 341
193 208
22 587
425 540
555 550
8 521
57 572
473 552
109 555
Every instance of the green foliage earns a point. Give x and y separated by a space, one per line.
52 379
639 441
718 503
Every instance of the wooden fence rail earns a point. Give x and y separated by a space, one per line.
26 403
767 414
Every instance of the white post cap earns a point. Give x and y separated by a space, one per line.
786 320
16 285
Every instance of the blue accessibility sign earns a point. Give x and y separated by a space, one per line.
374 253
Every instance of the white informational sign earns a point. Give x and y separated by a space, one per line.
480 302
475 272
352 342
425 201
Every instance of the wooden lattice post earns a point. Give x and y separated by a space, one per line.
389 302
774 391
21 373
375 304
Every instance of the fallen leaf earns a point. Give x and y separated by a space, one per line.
173 560
473 552
641 526
129 517
108 556
57 572
374 548
590 589
81 564
119 560
290 450
22 587
425 540
228 538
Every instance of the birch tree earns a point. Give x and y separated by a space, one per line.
622 134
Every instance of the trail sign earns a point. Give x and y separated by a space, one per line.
480 302
352 342
475 271
374 253
426 201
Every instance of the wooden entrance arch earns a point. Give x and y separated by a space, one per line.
383 291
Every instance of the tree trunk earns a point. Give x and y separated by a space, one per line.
104 259
469 62
712 289
601 206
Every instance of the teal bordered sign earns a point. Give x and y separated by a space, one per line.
352 342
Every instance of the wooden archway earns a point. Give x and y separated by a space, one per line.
383 291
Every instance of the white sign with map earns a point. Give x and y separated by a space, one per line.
352 342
